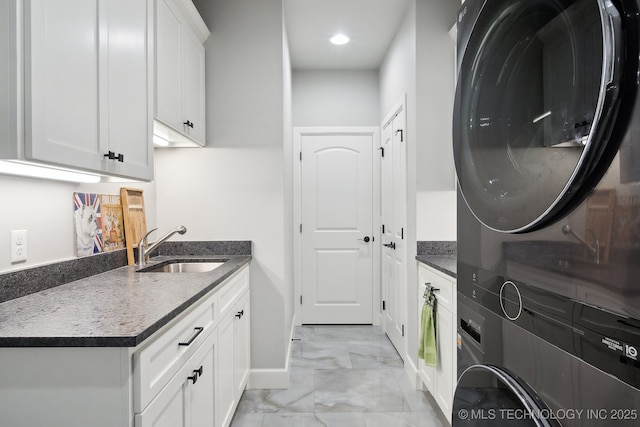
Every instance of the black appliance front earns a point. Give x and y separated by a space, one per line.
547 152
513 377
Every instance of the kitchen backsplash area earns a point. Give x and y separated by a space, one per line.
437 247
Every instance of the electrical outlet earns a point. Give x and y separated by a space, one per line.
18 246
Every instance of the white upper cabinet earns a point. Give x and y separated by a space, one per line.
127 95
84 85
180 73
61 55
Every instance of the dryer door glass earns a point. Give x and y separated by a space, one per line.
489 396
534 107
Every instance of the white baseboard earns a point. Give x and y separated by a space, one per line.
268 378
273 378
411 370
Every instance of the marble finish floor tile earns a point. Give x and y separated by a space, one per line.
296 398
341 376
323 355
358 390
374 354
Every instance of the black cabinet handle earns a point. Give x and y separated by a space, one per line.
240 314
197 373
391 245
198 330
188 123
112 156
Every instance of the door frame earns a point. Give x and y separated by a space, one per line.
397 108
298 133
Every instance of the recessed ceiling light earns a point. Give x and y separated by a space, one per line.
339 39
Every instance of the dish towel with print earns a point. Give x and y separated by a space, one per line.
427 348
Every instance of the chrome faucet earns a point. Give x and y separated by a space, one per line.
594 249
144 251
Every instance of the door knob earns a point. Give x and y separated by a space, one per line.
366 239
390 245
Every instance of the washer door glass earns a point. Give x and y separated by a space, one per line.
489 396
535 104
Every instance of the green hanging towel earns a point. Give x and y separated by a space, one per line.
427 349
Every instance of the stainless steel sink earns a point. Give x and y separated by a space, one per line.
183 267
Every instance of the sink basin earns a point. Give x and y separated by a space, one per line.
183 267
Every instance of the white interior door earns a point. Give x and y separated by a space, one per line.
394 216
337 224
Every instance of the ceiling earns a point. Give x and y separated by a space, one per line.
371 25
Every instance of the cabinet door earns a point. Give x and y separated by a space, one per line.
194 88
242 344
445 370
126 95
168 409
61 82
226 370
168 66
202 392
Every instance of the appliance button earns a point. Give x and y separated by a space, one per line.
510 300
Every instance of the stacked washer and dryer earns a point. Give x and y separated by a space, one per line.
547 152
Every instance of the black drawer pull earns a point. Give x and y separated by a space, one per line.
197 373
240 314
194 378
198 330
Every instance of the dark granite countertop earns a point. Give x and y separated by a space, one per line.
117 308
441 255
447 264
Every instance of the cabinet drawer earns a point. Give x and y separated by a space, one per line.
446 294
235 286
157 362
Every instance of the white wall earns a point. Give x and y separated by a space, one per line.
45 209
437 215
235 187
335 98
435 92
244 72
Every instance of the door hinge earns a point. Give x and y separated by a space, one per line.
401 134
381 151
402 330
384 305
402 233
301 156
300 299
382 228
301 228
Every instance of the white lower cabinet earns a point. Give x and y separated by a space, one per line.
440 380
190 373
194 373
233 358
187 400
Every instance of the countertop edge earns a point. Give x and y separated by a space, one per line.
443 263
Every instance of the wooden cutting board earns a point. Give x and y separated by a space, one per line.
134 218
